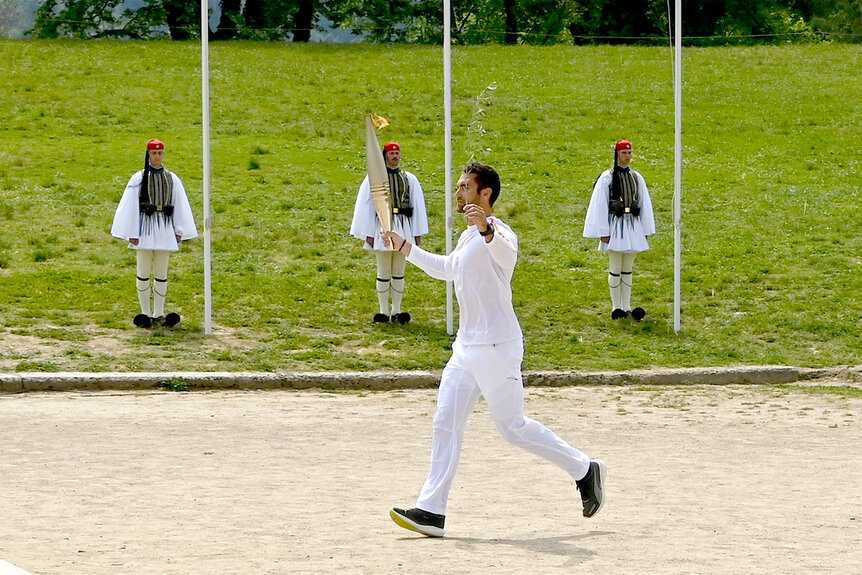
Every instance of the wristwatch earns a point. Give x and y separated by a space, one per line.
489 231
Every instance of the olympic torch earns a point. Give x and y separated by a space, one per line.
377 177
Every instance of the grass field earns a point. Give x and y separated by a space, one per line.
771 187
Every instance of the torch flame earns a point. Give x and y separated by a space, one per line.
379 121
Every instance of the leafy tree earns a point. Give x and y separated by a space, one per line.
775 20
840 19
381 21
95 19
619 21
183 18
510 10
303 20
473 21
229 21
543 22
268 20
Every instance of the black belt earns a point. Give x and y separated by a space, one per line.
403 211
618 209
150 209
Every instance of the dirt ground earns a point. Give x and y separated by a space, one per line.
712 480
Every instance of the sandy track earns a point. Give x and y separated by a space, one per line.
712 480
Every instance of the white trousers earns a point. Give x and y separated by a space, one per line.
493 371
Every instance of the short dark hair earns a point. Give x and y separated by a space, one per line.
486 177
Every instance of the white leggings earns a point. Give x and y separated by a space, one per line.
493 371
620 266
155 263
390 264
619 262
390 280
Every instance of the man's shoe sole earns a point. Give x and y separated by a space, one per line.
407 523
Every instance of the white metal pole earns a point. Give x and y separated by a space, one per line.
447 113
205 121
677 167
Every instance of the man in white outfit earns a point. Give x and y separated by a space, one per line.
409 219
486 357
621 216
154 216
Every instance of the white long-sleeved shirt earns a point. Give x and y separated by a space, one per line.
482 272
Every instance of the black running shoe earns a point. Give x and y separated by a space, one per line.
592 488
424 522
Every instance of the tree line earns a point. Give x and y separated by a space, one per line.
705 22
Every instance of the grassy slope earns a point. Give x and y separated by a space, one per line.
771 190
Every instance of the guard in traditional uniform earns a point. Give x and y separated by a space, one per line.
409 219
621 217
154 216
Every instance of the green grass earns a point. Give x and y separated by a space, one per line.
175 384
771 191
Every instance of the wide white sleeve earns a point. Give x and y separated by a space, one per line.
596 224
419 220
364 224
647 216
436 266
127 217
184 219
503 247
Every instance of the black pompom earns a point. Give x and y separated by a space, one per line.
172 319
638 313
618 314
401 318
142 320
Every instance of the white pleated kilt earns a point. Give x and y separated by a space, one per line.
627 235
401 225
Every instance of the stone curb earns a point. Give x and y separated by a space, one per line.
389 380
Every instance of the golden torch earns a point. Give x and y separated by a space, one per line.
377 177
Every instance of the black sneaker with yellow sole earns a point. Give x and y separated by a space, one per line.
418 520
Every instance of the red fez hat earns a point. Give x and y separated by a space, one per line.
391 146
624 145
155 145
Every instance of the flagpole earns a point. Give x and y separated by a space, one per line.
205 122
447 113
677 167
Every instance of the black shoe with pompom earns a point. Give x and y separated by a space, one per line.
401 318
